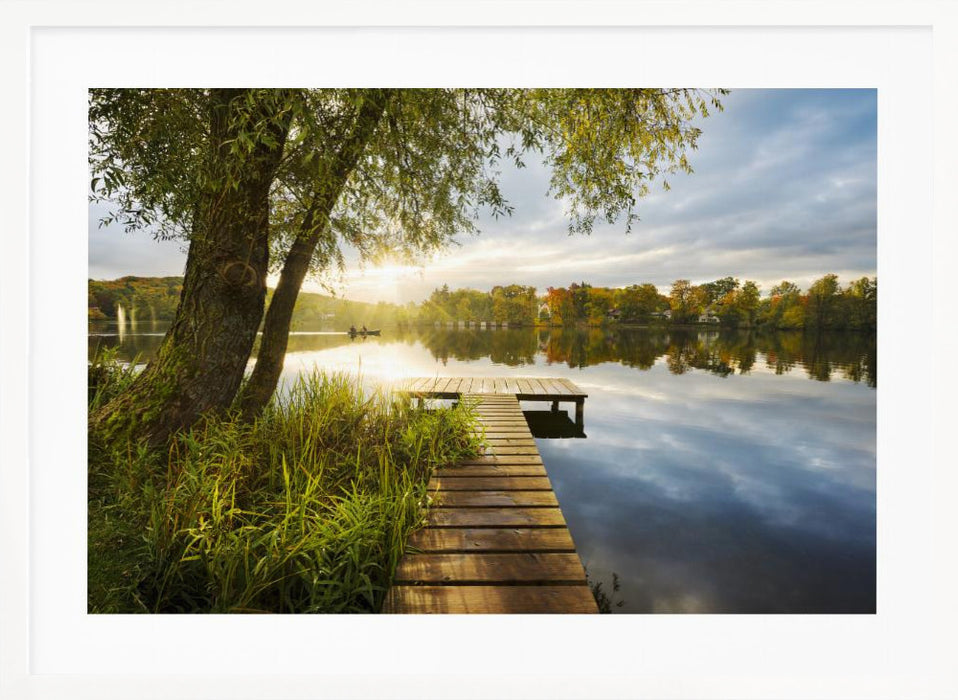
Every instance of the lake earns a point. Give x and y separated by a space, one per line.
720 472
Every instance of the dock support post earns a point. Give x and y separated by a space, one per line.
579 411
555 406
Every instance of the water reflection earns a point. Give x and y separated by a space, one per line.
553 425
725 498
715 476
822 356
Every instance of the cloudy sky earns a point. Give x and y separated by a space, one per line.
784 188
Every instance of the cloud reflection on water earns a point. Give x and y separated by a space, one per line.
741 494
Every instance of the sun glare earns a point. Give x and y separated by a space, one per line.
381 283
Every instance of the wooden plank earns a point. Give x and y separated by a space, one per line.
527 385
576 391
509 450
558 387
548 390
495 517
491 483
518 567
521 440
492 469
512 539
494 459
494 499
490 599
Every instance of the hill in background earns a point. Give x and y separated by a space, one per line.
156 298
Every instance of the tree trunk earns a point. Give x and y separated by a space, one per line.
203 356
272 350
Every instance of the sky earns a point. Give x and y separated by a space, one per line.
784 188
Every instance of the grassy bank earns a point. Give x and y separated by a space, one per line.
306 510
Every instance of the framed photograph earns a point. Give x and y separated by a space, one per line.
665 333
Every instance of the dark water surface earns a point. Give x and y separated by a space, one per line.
721 472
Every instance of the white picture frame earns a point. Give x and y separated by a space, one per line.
53 50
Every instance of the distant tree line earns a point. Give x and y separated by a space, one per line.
581 303
724 302
514 304
155 298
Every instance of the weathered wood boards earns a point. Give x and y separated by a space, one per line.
552 389
495 539
500 599
525 388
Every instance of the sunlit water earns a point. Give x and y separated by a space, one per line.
720 473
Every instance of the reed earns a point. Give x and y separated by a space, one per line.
305 510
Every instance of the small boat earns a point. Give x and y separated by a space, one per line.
353 333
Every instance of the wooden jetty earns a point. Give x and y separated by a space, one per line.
495 540
551 389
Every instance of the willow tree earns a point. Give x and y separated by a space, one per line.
284 180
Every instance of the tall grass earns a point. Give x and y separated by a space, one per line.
305 510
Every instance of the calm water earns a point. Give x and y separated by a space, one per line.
720 472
